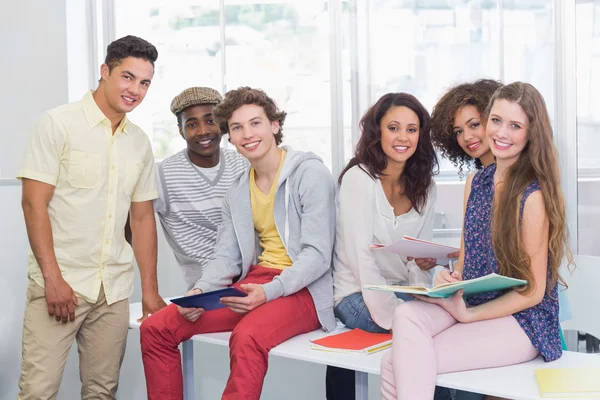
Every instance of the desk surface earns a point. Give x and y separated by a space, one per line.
516 381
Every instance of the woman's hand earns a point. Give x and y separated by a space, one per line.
455 306
445 276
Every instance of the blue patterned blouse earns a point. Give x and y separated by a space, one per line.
540 323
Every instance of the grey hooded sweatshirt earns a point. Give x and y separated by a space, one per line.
305 217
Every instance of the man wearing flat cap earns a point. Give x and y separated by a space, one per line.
193 182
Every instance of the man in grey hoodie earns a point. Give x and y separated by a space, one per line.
275 243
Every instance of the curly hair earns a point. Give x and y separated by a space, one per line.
234 99
419 168
129 46
476 94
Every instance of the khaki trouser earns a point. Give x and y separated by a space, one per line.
101 333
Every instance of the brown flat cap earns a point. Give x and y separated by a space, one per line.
194 96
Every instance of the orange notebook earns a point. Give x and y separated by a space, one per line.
354 341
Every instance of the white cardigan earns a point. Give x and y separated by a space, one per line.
365 216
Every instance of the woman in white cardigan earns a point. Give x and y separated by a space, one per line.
386 191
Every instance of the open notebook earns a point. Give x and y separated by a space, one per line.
417 248
482 284
569 382
354 341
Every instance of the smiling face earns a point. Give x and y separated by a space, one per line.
199 129
127 84
506 131
251 132
399 134
470 133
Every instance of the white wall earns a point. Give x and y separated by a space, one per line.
33 70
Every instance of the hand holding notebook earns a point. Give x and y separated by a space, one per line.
483 284
417 248
209 300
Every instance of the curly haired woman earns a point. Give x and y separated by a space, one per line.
457 127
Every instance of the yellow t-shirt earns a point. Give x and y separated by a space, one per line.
274 254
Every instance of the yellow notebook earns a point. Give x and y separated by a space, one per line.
569 382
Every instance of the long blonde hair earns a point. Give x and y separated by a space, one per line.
538 160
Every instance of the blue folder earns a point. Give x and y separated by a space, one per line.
209 300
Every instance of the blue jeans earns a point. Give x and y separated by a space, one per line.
353 312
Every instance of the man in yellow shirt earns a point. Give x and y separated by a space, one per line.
85 169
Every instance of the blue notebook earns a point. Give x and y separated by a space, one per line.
209 300
482 284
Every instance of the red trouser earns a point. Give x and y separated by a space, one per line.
254 334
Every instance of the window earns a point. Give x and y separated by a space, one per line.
588 126
426 47
285 47
187 39
279 47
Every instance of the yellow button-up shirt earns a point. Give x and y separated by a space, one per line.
96 176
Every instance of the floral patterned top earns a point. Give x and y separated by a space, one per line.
540 322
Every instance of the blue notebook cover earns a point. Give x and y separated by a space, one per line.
209 300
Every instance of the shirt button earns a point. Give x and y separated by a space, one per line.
107 242
109 216
113 167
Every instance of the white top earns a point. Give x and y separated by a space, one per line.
211 172
365 216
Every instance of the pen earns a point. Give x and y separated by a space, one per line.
451 266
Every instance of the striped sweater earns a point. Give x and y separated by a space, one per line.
189 207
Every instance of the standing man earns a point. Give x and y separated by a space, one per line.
192 183
85 169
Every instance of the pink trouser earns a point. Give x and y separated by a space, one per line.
429 341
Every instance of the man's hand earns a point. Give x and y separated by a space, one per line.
151 303
425 264
61 299
256 297
446 277
455 306
191 313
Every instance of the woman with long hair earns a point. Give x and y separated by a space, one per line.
458 132
386 191
515 225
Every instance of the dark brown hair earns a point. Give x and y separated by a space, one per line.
537 161
234 99
370 157
476 94
129 46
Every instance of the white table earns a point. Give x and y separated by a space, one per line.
513 382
